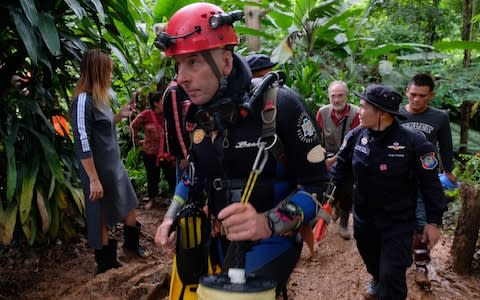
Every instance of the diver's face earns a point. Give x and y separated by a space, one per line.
196 77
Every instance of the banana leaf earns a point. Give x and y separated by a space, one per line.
78 197
30 11
166 8
387 48
100 11
457 45
25 196
49 33
77 9
11 166
61 197
8 219
122 14
28 36
54 215
52 187
33 230
42 209
51 156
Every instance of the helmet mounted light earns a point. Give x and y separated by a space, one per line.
218 20
198 27
164 41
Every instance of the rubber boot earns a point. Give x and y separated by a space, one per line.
131 236
421 258
112 254
343 225
106 258
100 260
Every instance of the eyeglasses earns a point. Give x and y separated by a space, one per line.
333 96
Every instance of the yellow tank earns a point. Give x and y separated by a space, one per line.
220 288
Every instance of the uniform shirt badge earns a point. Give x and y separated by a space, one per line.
383 167
198 136
364 141
396 146
429 161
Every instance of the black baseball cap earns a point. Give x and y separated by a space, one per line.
384 98
258 62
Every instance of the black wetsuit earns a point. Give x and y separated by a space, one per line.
223 165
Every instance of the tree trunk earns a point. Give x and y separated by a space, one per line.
466 233
252 20
465 113
468 11
432 26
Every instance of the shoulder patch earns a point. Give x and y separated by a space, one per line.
305 129
316 154
429 161
198 136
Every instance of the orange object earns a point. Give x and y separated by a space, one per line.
60 124
321 227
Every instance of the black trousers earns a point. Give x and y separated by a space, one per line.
387 255
153 174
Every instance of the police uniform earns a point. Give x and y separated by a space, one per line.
389 167
223 164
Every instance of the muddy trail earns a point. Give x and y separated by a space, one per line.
334 271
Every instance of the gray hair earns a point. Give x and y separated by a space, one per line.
340 82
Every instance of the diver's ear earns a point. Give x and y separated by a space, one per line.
227 63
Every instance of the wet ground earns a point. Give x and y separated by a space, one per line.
334 271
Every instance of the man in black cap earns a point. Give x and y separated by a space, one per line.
390 165
260 64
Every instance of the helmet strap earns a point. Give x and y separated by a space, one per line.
222 80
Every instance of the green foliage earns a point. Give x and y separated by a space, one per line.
419 21
450 217
316 42
469 169
453 85
41 45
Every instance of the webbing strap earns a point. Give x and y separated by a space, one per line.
178 128
269 120
269 112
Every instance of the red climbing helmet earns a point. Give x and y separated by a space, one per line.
198 27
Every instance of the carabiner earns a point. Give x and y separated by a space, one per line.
262 140
257 168
262 153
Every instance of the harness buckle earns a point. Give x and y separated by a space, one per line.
217 184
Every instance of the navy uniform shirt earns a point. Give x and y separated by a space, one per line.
390 167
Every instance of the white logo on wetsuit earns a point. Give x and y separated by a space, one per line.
305 129
245 144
